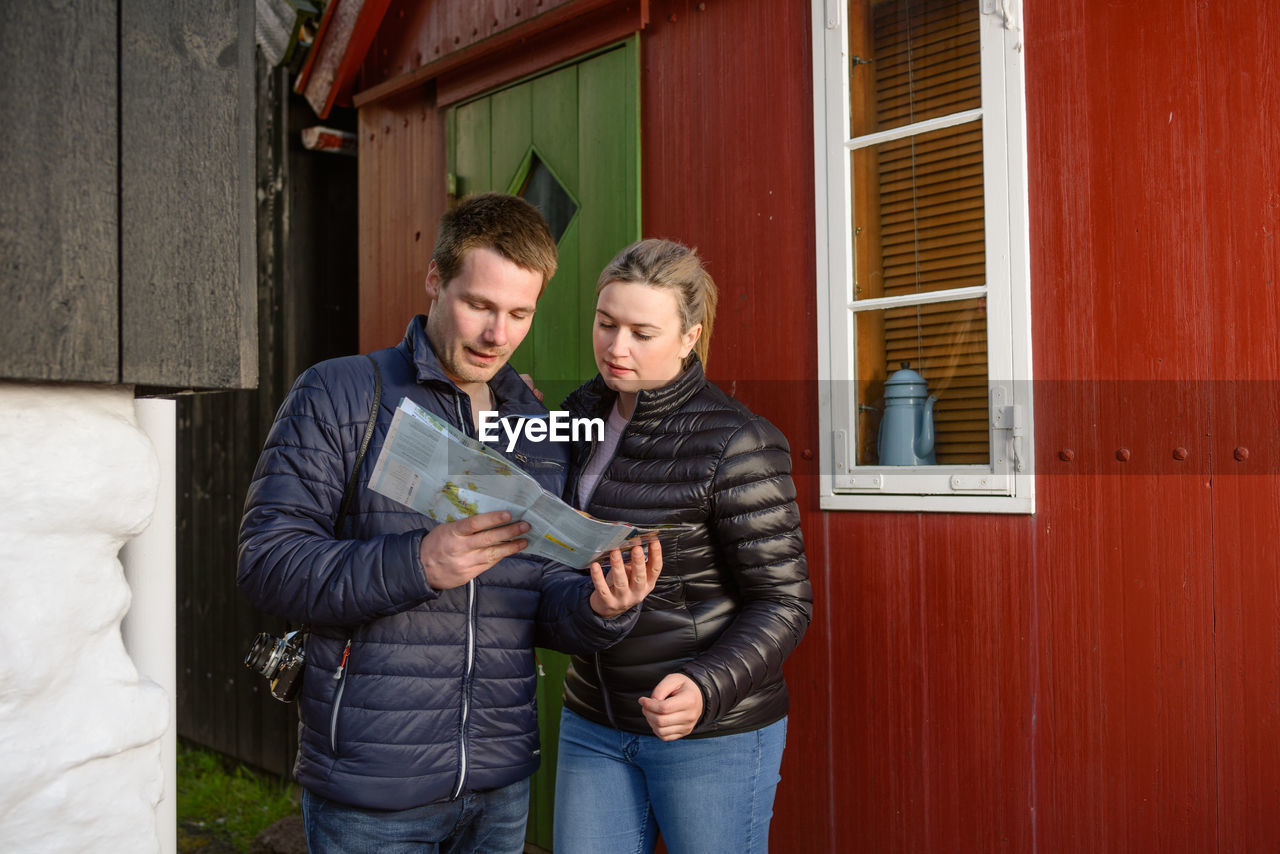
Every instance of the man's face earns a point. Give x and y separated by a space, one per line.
478 319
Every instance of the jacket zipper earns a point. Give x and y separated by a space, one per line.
471 648
340 676
466 686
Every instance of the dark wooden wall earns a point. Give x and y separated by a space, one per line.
59 234
306 287
1102 676
128 239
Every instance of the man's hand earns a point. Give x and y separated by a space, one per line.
674 708
627 585
456 552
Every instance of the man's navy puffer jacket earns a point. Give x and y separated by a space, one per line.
436 698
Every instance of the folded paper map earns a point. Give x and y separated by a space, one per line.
432 467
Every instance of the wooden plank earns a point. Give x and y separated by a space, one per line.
727 153
375 283
187 242
575 39
555 122
608 133
459 34
1240 272
58 288
339 52
306 229
562 330
552 668
473 164
511 129
1126 750
402 195
314 54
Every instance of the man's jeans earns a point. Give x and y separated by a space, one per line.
614 790
483 823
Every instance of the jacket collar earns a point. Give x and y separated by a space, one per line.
513 396
652 404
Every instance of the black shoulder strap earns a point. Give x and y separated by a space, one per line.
350 491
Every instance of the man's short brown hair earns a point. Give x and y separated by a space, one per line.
506 224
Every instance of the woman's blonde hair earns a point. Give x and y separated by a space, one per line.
667 264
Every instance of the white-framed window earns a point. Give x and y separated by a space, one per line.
924 309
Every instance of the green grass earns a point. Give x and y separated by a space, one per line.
222 805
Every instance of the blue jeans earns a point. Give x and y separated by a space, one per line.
489 822
615 790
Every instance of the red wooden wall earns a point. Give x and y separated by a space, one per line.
1155 198
1105 675
727 165
401 198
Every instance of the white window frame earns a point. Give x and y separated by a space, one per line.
1007 485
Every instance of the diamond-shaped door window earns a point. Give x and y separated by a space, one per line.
543 191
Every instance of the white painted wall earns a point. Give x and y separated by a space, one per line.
150 629
81 735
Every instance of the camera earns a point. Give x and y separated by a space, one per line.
280 660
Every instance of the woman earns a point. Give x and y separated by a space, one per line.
679 728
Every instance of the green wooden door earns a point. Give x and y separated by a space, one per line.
568 140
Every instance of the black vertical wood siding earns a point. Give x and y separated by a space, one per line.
188 296
126 193
307 306
58 186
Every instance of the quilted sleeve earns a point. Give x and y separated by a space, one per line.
756 528
290 562
566 622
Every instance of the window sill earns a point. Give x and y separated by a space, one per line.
1010 504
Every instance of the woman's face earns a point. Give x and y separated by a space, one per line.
637 338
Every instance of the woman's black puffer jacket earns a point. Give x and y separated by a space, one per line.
734 598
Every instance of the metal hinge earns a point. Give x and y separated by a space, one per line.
1008 419
1008 11
845 479
840 452
997 483
864 482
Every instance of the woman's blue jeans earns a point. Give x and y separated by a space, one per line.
615 790
481 823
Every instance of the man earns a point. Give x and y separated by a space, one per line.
418 722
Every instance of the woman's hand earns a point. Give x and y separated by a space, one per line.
528 380
627 584
674 708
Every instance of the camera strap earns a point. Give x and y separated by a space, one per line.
289 690
350 491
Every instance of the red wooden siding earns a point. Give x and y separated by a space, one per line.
727 166
416 33
402 195
1125 747
1152 195
1242 260
1105 675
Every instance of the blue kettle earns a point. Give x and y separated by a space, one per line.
906 430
